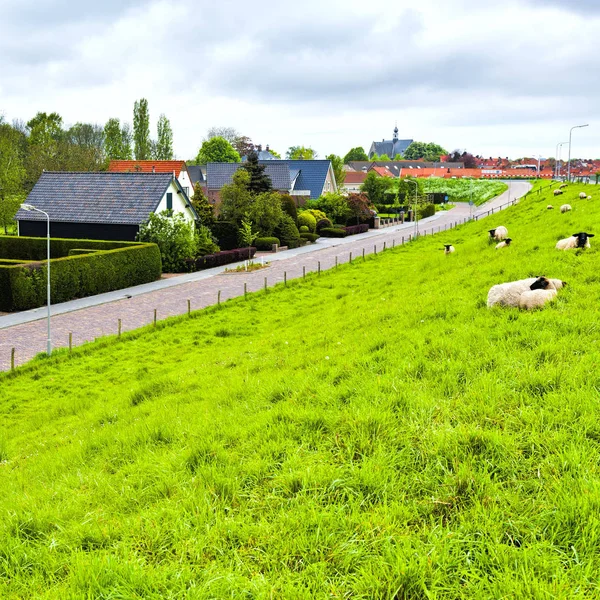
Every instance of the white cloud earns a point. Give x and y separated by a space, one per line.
507 79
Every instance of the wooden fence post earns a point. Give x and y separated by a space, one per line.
70 341
155 317
350 259
245 289
119 327
285 278
336 262
303 272
363 254
319 268
384 246
12 359
219 297
189 307
375 249
265 284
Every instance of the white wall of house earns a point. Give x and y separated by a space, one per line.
329 185
350 188
186 183
179 204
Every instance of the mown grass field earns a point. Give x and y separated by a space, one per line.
462 190
375 432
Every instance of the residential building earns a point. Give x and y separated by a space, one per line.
353 182
101 206
177 167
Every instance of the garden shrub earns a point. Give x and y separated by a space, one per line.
426 211
220 258
288 233
205 241
24 287
78 251
289 206
323 223
173 235
311 237
226 233
355 229
315 212
307 219
266 243
333 232
303 229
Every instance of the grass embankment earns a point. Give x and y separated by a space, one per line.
459 190
375 432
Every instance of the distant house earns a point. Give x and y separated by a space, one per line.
262 154
101 206
353 181
177 167
391 148
197 174
400 168
302 178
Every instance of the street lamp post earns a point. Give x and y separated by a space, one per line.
558 157
570 133
416 214
30 207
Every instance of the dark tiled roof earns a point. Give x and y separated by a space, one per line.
119 198
390 147
312 176
220 174
196 174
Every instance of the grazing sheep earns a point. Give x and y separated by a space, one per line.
504 244
588 197
577 240
448 248
558 192
582 195
549 207
498 234
536 298
508 294
565 208
563 185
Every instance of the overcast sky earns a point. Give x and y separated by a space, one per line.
505 79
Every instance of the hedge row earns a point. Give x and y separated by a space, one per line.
35 248
341 232
354 229
426 211
311 237
219 259
266 243
24 287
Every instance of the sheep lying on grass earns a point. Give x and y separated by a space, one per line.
549 207
582 195
577 240
565 208
536 298
498 234
448 248
563 185
504 244
509 294
558 192
588 197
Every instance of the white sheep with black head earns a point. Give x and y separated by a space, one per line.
509 294
498 234
577 240
565 208
448 249
504 244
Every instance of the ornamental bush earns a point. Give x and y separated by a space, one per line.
315 212
333 232
219 259
323 223
288 233
311 237
355 229
265 243
307 219
426 211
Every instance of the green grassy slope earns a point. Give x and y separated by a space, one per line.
376 432
459 190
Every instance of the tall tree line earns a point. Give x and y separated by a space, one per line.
44 143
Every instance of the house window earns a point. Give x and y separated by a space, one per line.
187 191
169 201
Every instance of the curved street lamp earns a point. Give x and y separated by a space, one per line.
30 207
570 133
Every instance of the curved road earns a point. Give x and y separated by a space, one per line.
97 316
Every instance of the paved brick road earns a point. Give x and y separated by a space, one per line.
86 324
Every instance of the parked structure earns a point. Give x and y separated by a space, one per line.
101 206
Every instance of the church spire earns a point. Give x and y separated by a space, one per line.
396 132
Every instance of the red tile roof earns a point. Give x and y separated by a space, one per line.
147 166
355 176
382 171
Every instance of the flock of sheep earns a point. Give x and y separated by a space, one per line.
533 292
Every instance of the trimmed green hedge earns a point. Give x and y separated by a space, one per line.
332 232
34 248
78 251
311 237
265 243
426 211
24 287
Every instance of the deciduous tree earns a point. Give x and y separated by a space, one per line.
141 130
12 174
117 140
357 153
427 151
301 153
337 164
217 149
163 149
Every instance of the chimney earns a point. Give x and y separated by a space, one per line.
153 169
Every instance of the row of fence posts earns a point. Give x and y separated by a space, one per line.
411 237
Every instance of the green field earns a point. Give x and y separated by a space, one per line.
375 432
459 190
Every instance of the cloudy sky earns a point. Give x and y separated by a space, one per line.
506 78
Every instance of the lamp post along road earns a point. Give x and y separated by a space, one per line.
416 218
30 207
570 134
559 157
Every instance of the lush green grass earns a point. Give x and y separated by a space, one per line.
375 432
459 190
